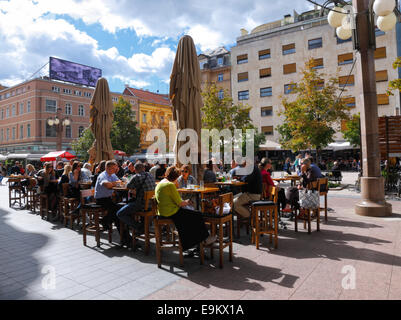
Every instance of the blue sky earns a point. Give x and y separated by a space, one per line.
132 41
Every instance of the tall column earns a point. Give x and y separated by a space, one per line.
372 183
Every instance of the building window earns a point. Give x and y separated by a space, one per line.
265 73
8 134
2 114
28 106
288 49
68 109
268 130
13 111
144 117
21 108
7 113
21 132
266 92
289 68
87 94
220 61
243 58
220 77
51 131
383 99
28 131
349 102
221 95
339 41
78 93
346 81
134 115
243 95
80 131
264 54
288 88
67 91
2 135
51 105
346 58
242 76
55 89
317 63
380 53
13 137
319 85
379 33
381 76
315 43
267 111
81 110
68 132
202 64
114 99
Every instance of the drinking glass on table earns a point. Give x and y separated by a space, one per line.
201 185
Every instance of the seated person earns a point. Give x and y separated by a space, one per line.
160 172
186 179
142 181
209 176
74 178
309 172
103 194
86 172
65 177
265 167
129 170
252 192
49 184
189 223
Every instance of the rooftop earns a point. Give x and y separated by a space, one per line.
148 96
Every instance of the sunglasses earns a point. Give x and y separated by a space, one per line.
184 171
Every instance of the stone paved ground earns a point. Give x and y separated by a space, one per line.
303 267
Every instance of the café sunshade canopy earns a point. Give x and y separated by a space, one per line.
53 156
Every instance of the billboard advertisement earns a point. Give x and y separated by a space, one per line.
73 72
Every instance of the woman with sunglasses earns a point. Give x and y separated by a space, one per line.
185 180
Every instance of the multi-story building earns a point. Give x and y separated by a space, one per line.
215 67
25 108
269 58
155 112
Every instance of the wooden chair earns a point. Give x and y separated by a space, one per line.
95 213
15 192
67 206
167 240
147 216
264 218
32 196
324 189
219 222
43 203
306 215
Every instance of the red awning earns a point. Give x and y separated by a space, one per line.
120 153
53 156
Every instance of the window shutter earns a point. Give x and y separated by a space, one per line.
380 53
289 68
381 76
263 73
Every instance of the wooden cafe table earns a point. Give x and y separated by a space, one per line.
293 179
200 193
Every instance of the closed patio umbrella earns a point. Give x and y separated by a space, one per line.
101 119
185 89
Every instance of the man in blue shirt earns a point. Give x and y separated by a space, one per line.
103 194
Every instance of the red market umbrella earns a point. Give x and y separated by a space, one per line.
120 153
53 156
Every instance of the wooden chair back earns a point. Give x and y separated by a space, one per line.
210 185
86 193
65 189
323 186
148 199
223 199
265 191
314 185
274 194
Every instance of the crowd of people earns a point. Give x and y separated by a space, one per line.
165 180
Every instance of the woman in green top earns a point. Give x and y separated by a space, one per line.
189 223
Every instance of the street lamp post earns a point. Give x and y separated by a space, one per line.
59 124
358 22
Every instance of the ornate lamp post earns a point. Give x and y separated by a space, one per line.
59 124
358 22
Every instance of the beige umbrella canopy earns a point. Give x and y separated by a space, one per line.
101 119
185 88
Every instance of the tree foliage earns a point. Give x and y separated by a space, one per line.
310 120
395 84
352 131
224 114
124 134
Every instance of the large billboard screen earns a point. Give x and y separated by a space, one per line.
73 72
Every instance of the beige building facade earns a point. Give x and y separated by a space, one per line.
265 61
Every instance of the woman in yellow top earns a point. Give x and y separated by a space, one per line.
189 223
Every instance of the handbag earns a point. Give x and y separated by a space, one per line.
309 199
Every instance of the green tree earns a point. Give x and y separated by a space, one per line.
311 118
124 134
395 84
352 130
224 114
83 144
